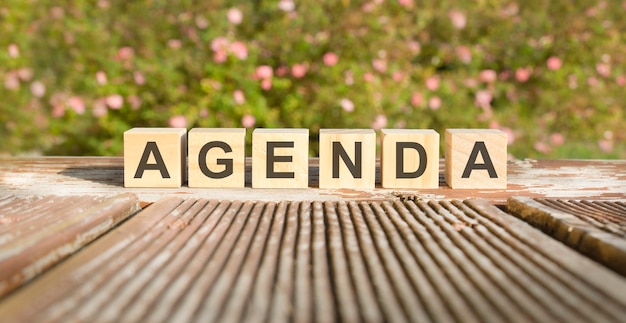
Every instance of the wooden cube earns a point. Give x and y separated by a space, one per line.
409 158
280 158
347 158
217 157
155 157
476 158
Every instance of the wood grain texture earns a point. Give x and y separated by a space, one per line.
37 233
597 229
198 260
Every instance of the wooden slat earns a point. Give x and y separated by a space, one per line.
571 179
38 232
208 260
595 228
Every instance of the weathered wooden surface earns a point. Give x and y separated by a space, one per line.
38 232
577 179
204 260
595 228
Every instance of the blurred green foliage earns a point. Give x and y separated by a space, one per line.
77 74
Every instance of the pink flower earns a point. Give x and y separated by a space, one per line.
101 78
522 74
263 72
25 74
483 99
432 83
76 104
330 59
239 97
457 18
14 51
248 121
406 3
542 147
99 108
346 105
234 16
620 80
417 99
348 77
368 7
488 76
434 103
299 70
174 43
125 53
603 69
266 84
368 77
58 110
379 65
219 43
11 81
554 63
220 57
115 101
178 121
605 145
134 101
510 135
286 5
239 49
464 54
470 82
414 47
201 22
557 139
38 89
397 76
139 78
380 122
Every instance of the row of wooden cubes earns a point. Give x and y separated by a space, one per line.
156 157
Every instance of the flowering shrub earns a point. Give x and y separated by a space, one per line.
77 75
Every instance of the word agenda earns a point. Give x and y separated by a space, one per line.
215 157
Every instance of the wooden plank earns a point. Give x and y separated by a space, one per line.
36 233
597 229
403 260
72 176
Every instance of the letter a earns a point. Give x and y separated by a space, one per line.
151 148
479 147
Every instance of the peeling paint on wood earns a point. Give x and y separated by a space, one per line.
70 176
